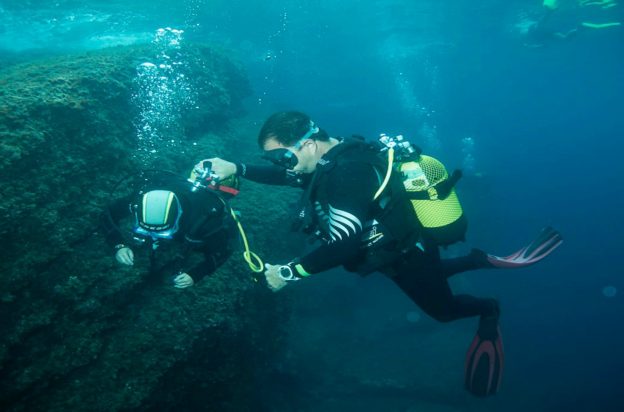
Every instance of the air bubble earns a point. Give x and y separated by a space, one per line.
609 291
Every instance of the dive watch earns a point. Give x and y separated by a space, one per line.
287 273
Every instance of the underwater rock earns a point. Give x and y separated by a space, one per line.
79 332
66 129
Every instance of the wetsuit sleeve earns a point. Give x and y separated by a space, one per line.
350 198
211 262
270 175
111 217
214 230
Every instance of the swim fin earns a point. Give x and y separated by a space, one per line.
547 241
485 359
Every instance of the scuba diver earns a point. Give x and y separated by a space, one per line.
175 219
544 29
365 211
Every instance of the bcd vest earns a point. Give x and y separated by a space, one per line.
419 201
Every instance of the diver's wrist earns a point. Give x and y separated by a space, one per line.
292 271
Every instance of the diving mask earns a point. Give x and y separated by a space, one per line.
286 158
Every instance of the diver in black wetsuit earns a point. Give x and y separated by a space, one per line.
365 233
173 220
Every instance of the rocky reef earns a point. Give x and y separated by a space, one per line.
78 331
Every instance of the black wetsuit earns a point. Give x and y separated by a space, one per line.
339 194
202 243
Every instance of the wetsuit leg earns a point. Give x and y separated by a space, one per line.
420 276
476 259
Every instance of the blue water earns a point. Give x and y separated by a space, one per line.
546 124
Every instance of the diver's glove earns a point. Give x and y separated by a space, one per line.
183 280
219 167
124 255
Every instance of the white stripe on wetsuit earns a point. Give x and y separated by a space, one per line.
339 220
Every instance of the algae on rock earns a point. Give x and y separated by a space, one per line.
80 332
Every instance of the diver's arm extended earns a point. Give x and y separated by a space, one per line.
271 175
110 220
350 198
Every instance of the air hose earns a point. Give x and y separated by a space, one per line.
388 173
252 259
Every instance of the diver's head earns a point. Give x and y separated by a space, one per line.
291 140
157 214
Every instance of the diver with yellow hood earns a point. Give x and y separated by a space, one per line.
184 226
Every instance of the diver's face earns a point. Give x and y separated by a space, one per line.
305 151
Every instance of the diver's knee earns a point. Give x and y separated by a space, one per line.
492 308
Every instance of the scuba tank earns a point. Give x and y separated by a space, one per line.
431 191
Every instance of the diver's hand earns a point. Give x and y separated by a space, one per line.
125 256
220 167
183 280
274 280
